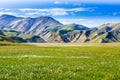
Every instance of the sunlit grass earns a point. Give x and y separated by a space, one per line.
60 62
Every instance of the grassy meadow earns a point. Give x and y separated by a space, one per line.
53 61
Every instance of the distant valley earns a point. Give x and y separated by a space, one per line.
46 29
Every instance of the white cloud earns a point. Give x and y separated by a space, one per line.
5 9
51 11
45 12
35 12
77 9
10 13
57 2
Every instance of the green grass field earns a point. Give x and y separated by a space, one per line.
60 62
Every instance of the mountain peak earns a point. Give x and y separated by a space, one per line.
44 17
76 27
7 16
48 18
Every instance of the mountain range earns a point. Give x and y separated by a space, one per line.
47 29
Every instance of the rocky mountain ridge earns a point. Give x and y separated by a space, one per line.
51 30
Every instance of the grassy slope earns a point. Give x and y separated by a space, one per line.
65 62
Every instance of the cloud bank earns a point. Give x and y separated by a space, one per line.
41 12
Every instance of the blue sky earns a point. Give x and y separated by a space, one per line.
86 12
